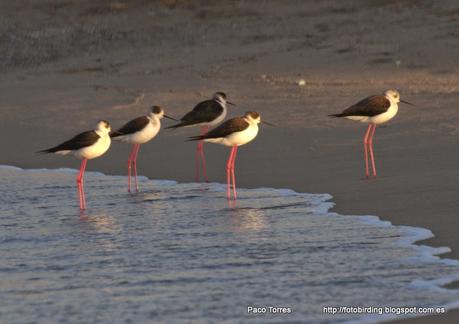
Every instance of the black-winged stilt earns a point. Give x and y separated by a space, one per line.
373 110
86 146
205 114
234 132
139 131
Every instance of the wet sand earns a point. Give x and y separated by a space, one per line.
113 61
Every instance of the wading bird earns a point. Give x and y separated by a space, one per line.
205 114
139 131
86 146
373 110
234 133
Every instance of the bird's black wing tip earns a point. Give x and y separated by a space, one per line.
335 115
194 138
181 124
44 151
115 134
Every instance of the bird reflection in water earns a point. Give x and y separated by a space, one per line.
101 222
247 219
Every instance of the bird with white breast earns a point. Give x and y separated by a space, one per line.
374 110
139 131
205 114
86 146
233 133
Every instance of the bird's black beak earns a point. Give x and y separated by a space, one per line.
230 103
266 123
406 102
169 117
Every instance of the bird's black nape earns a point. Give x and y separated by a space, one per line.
156 109
222 94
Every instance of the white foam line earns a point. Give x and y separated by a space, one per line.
60 170
3 166
93 173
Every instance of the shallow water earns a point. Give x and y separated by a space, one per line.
178 252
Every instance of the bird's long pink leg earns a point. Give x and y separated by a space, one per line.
232 173
82 190
228 173
134 162
80 184
131 156
200 157
80 194
370 145
78 181
204 165
365 149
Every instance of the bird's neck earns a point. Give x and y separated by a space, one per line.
392 101
221 102
101 133
251 122
153 119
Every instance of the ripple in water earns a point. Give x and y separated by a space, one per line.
178 252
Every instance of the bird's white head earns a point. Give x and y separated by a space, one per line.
157 113
103 126
252 117
220 97
392 95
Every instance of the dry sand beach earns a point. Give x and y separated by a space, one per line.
66 64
